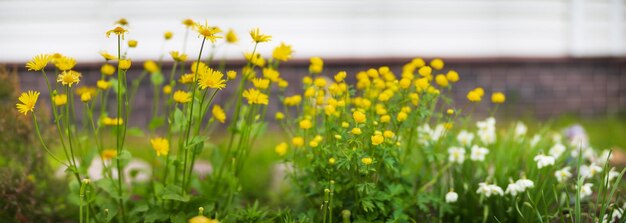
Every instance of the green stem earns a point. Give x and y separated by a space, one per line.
118 145
44 144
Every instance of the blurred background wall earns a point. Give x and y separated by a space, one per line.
550 56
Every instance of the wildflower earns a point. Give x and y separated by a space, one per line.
589 171
282 83
122 22
38 62
339 77
279 116
254 96
557 150
231 36
425 71
520 129
69 78
258 37
525 183
124 64
451 197
119 31
132 43
186 78
167 89
498 98
313 144
388 134
107 56
189 23
317 65
60 99
107 69
359 117
401 116
28 101
305 124
231 74
585 190
281 149
377 139
112 121
103 84
465 138
85 97
297 141
168 35
178 57
182 96
437 64
65 63
612 174
487 130
441 80
202 219
160 145
478 153
405 83
320 82
218 113
366 160
563 175
208 32
261 83
356 131
489 189
543 160
108 154
457 155
282 52
332 161
473 96
452 76
514 189
212 79
293 100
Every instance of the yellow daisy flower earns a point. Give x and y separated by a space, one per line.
177 56
282 52
212 79
189 23
182 97
107 69
38 62
132 43
209 32
160 145
231 36
69 78
108 154
119 31
103 84
60 99
218 113
65 63
124 64
107 56
258 37
28 101
261 83
254 96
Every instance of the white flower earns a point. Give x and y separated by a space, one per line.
535 140
465 138
589 171
487 130
617 214
557 138
430 135
438 132
520 129
605 156
543 160
613 174
585 190
451 197
525 183
557 150
489 189
514 189
563 175
457 155
588 153
478 153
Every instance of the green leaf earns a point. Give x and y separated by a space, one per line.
113 82
156 122
134 131
174 192
124 156
110 187
179 120
156 78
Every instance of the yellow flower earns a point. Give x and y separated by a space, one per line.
208 32
480 91
231 74
60 99
339 77
108 154
160 145
122 22
293 100
388 134
313 144
425 71
474 96
358 116
366 160
69 78
450 111
279 116
258 37
271 74
119 31
307 80
167 89
441 80
281 149
107 56
345 124
401 116
202 219
124 64
189 23
261 83
452 76
132 43
39 62
28 101
186 78
297 141
356 131
385 119
320 82
254 96
231 36
151 66
437 64
305 124
107 69
498 98
332 161
168 35
377 139
65 63
85 97
178 57
282 52
317 65
282 83
212 79
218 113
255 59
103 84
182 97
112 121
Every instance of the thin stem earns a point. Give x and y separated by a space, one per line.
44 144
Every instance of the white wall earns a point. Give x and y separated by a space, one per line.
327 28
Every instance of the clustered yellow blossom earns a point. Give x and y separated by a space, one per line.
282 52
